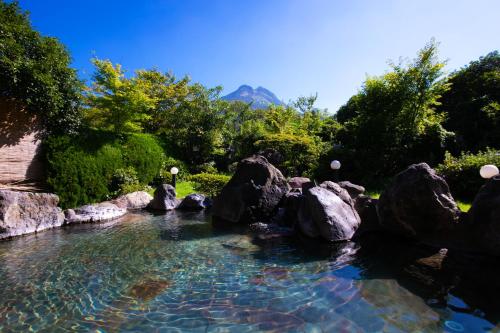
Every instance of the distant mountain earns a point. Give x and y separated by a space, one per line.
260 98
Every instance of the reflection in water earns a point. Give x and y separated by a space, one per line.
174 272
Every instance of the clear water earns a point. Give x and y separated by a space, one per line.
174 272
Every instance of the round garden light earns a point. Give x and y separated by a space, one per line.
335 165
174 171
488 171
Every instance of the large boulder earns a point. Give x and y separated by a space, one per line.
164 198
195 201
418 204
134 200
103 211
338 190
325 213
484 216
26 212
252 194
354 190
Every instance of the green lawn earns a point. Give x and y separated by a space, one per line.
184 188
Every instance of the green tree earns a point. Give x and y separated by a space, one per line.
392 121
116 102
35 72
472 104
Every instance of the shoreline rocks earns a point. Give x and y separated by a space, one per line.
25 212
133 201
98 212
195 201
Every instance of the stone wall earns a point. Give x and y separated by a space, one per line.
19 146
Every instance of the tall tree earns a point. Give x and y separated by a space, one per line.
472 104
35 71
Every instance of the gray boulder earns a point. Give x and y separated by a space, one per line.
134 200
164 198
297 182
195 201
418 204
353 189
103 211
484 216
338 190
325 213
26 212
252 194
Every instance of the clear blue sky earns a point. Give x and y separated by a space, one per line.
292 47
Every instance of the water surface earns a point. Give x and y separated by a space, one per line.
174 272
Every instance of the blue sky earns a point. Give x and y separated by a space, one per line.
292 47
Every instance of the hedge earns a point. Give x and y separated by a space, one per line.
208 183
462 173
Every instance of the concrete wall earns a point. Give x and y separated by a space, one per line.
19 146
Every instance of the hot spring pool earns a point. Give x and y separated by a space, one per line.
174 272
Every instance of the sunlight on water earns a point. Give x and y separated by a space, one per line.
174 272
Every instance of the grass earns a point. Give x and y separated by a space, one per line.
184 188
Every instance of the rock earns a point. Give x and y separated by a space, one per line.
134 200
291 205
353 189
103 211
164 198
332 217
252 194
268 231
272 156
296 182
367 211
26 212
195 202
484 216
418 204
338 190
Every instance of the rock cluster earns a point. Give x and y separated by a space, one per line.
25 212
417 205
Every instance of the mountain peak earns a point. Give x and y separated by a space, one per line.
260 97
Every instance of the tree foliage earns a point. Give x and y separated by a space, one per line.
34 71
472 105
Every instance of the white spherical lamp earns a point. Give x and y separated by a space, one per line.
335 165
174 171
489 170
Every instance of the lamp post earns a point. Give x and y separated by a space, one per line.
335 166
174 171
489 170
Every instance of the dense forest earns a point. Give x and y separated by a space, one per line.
124 131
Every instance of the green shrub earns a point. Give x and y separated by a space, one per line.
300 152
462 173
78 176
209 184
145 155
124 181
96 165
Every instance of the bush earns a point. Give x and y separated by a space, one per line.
300 153
78 176
93 167
124 181
145 155
208 183
462 173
